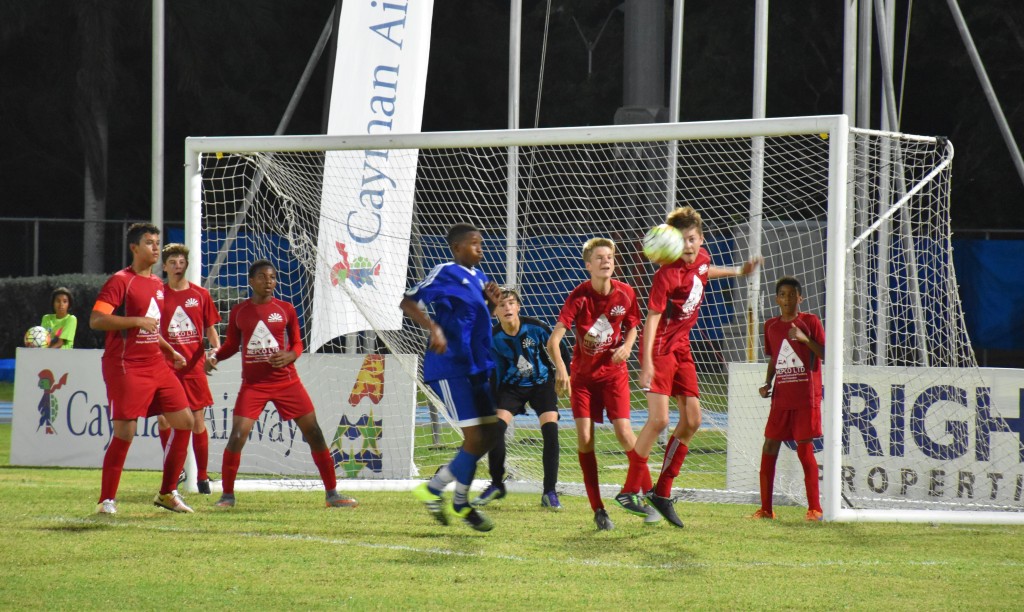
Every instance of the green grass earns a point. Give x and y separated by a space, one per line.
286 551
6 392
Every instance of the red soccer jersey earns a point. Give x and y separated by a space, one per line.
259 331
677 292
128 294
797 369
600 321
186 315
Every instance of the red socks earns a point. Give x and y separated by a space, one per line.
113 465
805 451
165 435
767 480
637 474
174 458
325 463
588 463
675 454
201 447
228 471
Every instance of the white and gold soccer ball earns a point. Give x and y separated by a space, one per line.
37 337
663 244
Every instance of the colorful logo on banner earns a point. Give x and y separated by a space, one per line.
49 407
357 443
360 271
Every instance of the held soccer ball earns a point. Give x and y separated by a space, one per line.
37 337
663 244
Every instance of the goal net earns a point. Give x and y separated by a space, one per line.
913 428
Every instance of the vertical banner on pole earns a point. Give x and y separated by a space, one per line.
379 83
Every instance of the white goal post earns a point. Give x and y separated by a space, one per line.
914 430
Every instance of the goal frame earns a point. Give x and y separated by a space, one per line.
833 127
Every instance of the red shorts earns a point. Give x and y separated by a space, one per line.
793 425
197 390
134 394
590 399
675 374
291 401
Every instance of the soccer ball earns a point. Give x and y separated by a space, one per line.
37 337
663 244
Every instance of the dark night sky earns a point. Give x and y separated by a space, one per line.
232 66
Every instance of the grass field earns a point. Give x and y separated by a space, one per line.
285 551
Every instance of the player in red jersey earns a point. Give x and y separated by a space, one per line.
137 377
667 367
794 343
188 313
606 315
266 331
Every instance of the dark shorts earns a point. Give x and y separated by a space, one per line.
542 398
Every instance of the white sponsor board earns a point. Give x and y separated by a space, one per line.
913 435
370 409
378 87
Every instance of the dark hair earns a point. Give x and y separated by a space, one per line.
62 291
458 231
257 265
137 230
788 280
172 249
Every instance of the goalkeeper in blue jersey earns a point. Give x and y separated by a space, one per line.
458 365
524 375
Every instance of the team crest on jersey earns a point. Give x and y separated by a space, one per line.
599 336
788 365
159 294
191 303
262 341
153 312
275 317
529 342
181 326
703 269
618 310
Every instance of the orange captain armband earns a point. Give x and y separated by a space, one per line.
103 307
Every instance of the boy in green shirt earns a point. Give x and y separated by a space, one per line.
61 324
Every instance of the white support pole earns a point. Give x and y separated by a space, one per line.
857 287
512 188
986 86
756 216
157 108
836 241
675 82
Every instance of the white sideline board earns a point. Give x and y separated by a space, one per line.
906 440
80 431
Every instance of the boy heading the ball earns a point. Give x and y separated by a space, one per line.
135 372
794 343
606 314
667 367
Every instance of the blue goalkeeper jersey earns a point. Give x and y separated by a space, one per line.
522 360
456 296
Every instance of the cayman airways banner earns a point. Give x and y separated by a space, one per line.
913 436
365 405
380 78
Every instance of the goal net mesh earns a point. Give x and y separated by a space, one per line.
911 383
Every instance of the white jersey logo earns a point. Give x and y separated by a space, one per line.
275 317
529 342
703 269
787 357
262 341
192 303
525 367
153 312
618 310
599 336
693 300
181 325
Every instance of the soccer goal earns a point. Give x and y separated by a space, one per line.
914 430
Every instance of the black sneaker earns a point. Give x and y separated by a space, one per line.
665 507
630 502
602 521
493 492
203 486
